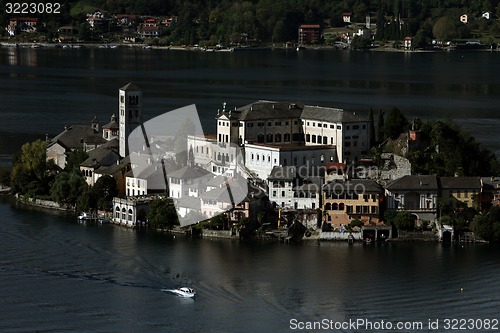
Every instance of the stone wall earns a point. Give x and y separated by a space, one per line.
340 236
219 234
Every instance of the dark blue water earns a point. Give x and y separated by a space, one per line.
45 89
60 276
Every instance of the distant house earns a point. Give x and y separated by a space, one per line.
67 33
309 34
407 44
487 15
149 28
346 17
98 19
22 24
464 18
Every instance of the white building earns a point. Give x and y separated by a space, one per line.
130 114
262 158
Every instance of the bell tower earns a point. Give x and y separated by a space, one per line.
130 113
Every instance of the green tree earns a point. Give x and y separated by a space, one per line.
31 174
380 127
404 221
68 187
444 29
103 191
372 128
75 158
395 124
487 226
162 214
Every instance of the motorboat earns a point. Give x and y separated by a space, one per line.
183 292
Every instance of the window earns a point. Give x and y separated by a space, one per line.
277 137
260 138
325 125
269 137
308 137
286 137
252 157
286 123
313 124
278 123
332 126
355 127
249 124
283 193
269 123
364 126
339 127
347 144
261 124
325 140
347 127
313 138
320 125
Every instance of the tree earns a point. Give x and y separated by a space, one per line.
104 190
487 226
162 214
380 127
444 29
404 221
75 158
372 128
67 188
395 124
30 173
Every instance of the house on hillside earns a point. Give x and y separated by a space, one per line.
309 34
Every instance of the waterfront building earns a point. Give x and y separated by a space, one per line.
461 191
353 199
416 194
131 210
293 189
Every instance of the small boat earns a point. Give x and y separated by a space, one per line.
183 292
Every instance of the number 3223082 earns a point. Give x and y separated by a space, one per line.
32 8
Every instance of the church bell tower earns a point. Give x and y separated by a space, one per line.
130 113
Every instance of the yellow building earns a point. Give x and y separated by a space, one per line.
461 190
345 201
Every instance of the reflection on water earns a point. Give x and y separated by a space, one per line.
59 275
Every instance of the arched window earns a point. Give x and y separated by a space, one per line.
313 138
286 137
341 206
269 137
328 206
325 140
260 138
277 137
308 137
335 206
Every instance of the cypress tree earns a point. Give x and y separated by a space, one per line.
380 127
372 128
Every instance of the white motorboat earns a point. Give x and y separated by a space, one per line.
183 292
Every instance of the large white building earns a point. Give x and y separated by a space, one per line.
280 133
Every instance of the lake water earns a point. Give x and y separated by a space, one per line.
45 89
60 276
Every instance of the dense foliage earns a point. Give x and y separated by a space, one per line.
442 148
445 150
224 21
31 173
487 226
162 214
